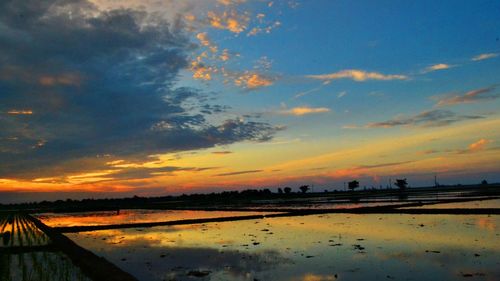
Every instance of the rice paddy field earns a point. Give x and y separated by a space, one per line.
375 239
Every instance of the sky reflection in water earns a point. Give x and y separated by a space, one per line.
328 247
131 216
492 203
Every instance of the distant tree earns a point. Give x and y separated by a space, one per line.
266 191
280 191
304 188
353 184
484 182
287 190
401 183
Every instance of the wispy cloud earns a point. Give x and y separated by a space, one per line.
431 118
310 91
479 145
470 97
357 75
439 66
239 173
428 152
222 152
304 110
68 79
266 29
382 165
230 2
484 56
19 112
341 94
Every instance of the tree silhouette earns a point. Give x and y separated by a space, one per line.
401 183
304 188
484 182
287 190
353 184
280 191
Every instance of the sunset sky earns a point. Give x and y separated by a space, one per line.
106 98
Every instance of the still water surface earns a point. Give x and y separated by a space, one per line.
132 216
312 248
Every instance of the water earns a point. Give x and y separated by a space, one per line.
326 247
132 216
39 266
26 253
17 231
492 203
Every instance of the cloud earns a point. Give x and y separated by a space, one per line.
431 118
252 80
482 94
204 40
68 79
428 152
341 94
239 173
383 165
266 29
439 66
20 112
222 152
229 20
230 2
225 55
304 110
479 145
101 86
484 56
357 75
201 71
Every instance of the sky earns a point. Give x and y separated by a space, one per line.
105 98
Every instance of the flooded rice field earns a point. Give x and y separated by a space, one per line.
39 266
18 231
483 204
26 253
315 240
132 216
317 247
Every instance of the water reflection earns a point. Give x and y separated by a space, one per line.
39 266
479 204
17 231
26 253
343 247
130 216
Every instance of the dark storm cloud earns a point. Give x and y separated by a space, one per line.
98 83
431 118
